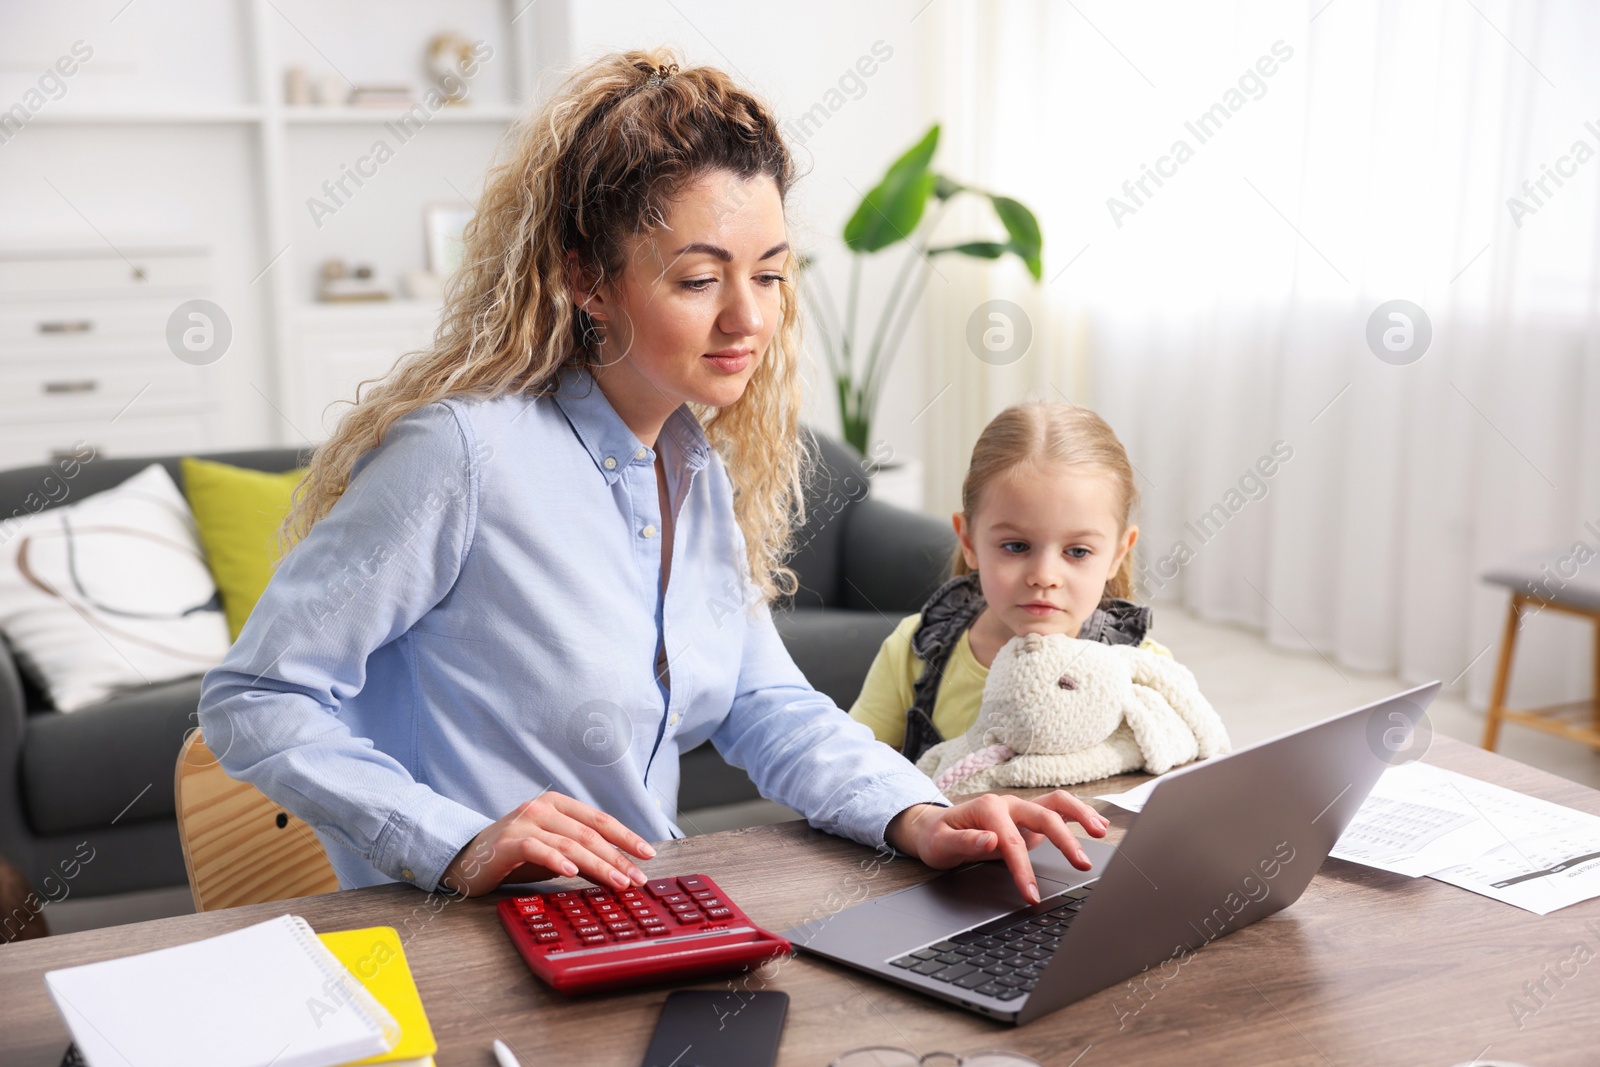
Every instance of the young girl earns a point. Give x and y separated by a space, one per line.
495 632
1045 547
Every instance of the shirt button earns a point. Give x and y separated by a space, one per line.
639 454
405 872
648 531
611 463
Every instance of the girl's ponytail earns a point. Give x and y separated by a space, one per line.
1120 585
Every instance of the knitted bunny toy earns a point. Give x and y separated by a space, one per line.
1059 711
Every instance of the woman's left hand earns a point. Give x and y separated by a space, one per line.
979 828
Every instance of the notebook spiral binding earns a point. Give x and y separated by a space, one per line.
342 987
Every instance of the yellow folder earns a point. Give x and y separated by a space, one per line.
374 955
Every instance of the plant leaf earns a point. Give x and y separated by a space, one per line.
981 249
1026 240
893 207
944 188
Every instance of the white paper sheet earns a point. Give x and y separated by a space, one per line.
1414 822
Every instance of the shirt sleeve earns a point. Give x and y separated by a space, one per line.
887 691
803 751
389 549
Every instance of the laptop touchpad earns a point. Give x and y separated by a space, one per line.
965 897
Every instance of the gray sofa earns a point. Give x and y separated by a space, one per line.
104 774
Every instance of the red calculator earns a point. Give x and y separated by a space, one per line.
586 940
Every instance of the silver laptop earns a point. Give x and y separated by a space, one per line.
1218 845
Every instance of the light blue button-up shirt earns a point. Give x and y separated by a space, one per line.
478 619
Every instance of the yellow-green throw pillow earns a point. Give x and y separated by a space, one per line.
238 512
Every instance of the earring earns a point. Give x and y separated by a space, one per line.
593 337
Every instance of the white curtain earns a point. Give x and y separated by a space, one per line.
1357 152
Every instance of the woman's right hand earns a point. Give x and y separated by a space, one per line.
550 836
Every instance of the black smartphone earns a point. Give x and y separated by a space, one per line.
718 1028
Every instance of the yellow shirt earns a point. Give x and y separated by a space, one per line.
887 692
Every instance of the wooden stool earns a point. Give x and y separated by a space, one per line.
1539 582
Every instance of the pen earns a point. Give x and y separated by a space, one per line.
503 1055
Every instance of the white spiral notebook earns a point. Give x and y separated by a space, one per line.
271 993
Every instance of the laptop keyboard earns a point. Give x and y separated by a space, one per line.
1004 957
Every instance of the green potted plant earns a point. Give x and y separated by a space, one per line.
896 211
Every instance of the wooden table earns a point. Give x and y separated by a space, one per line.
1366 968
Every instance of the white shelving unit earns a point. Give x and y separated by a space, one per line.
325 350
314 352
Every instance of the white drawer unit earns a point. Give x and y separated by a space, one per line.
34 390
126 438
124 272
49 326
84 354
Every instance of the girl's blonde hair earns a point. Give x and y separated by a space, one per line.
1055 432
600 162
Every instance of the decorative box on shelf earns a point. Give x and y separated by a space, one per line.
84 355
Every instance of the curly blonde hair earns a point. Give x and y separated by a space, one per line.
1058 432
599 163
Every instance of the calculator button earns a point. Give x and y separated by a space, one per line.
660 887
625 935
622 925
718 913
588 931
534 906
631 894
541 926
565 894
596 891
691 882
546 937
683 907
654 931
674 898
593 939
690 918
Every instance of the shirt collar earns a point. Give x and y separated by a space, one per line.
609 441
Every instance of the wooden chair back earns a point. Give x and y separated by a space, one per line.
238 846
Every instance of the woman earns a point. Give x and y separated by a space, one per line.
534 564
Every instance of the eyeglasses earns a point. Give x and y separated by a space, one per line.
883 1056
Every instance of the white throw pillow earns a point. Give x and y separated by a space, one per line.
110 592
